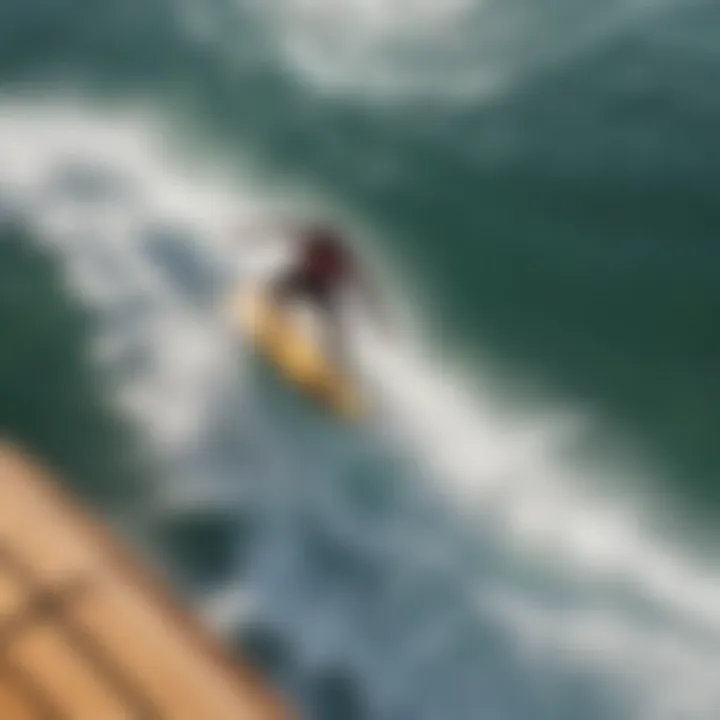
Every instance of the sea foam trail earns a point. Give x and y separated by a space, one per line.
517 473
174 362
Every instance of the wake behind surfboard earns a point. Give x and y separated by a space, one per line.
296 355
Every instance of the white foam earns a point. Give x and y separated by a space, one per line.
544 504
103 244
393 49
660 674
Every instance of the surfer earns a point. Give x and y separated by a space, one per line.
323 268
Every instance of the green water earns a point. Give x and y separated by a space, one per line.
52 401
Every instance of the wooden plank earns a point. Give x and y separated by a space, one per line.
69 680
13 705
121 646
12 595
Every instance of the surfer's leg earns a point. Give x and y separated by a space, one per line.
287 287
335 336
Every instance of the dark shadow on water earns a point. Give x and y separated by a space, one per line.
337 695
265 650
207 548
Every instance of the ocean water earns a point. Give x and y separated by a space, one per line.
527 531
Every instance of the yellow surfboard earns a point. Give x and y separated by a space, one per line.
297 357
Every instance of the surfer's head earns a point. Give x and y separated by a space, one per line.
326 255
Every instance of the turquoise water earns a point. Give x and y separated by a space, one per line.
540 178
